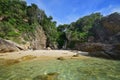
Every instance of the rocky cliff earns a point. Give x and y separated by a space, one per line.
22 24
99 35
28 40
34 40
37 39
105 41
107 30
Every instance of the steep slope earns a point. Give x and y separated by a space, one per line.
26 25
107 29
38 38
98 35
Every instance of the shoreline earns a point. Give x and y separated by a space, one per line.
41 54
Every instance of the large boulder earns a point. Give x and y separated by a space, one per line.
6 46
111 51
19 46
89 47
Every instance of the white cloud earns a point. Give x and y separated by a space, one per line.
110 9
117 9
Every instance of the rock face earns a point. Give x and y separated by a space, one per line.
89 47
28 40
21 47
110 51
39 39
115 52
6 46
106 39
107 30
35 40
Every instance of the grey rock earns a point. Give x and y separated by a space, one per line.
111 51
6 46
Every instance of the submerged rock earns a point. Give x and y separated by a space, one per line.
61 58
49 76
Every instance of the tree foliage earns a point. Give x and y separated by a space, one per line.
17 19
79 31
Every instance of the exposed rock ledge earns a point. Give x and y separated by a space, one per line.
111 51
9 46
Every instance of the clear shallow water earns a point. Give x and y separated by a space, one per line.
71 69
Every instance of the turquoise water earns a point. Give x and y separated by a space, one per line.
71 69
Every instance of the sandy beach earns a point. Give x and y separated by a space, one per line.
40 53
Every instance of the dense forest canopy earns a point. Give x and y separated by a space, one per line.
79 31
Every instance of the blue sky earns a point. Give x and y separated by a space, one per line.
67 11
